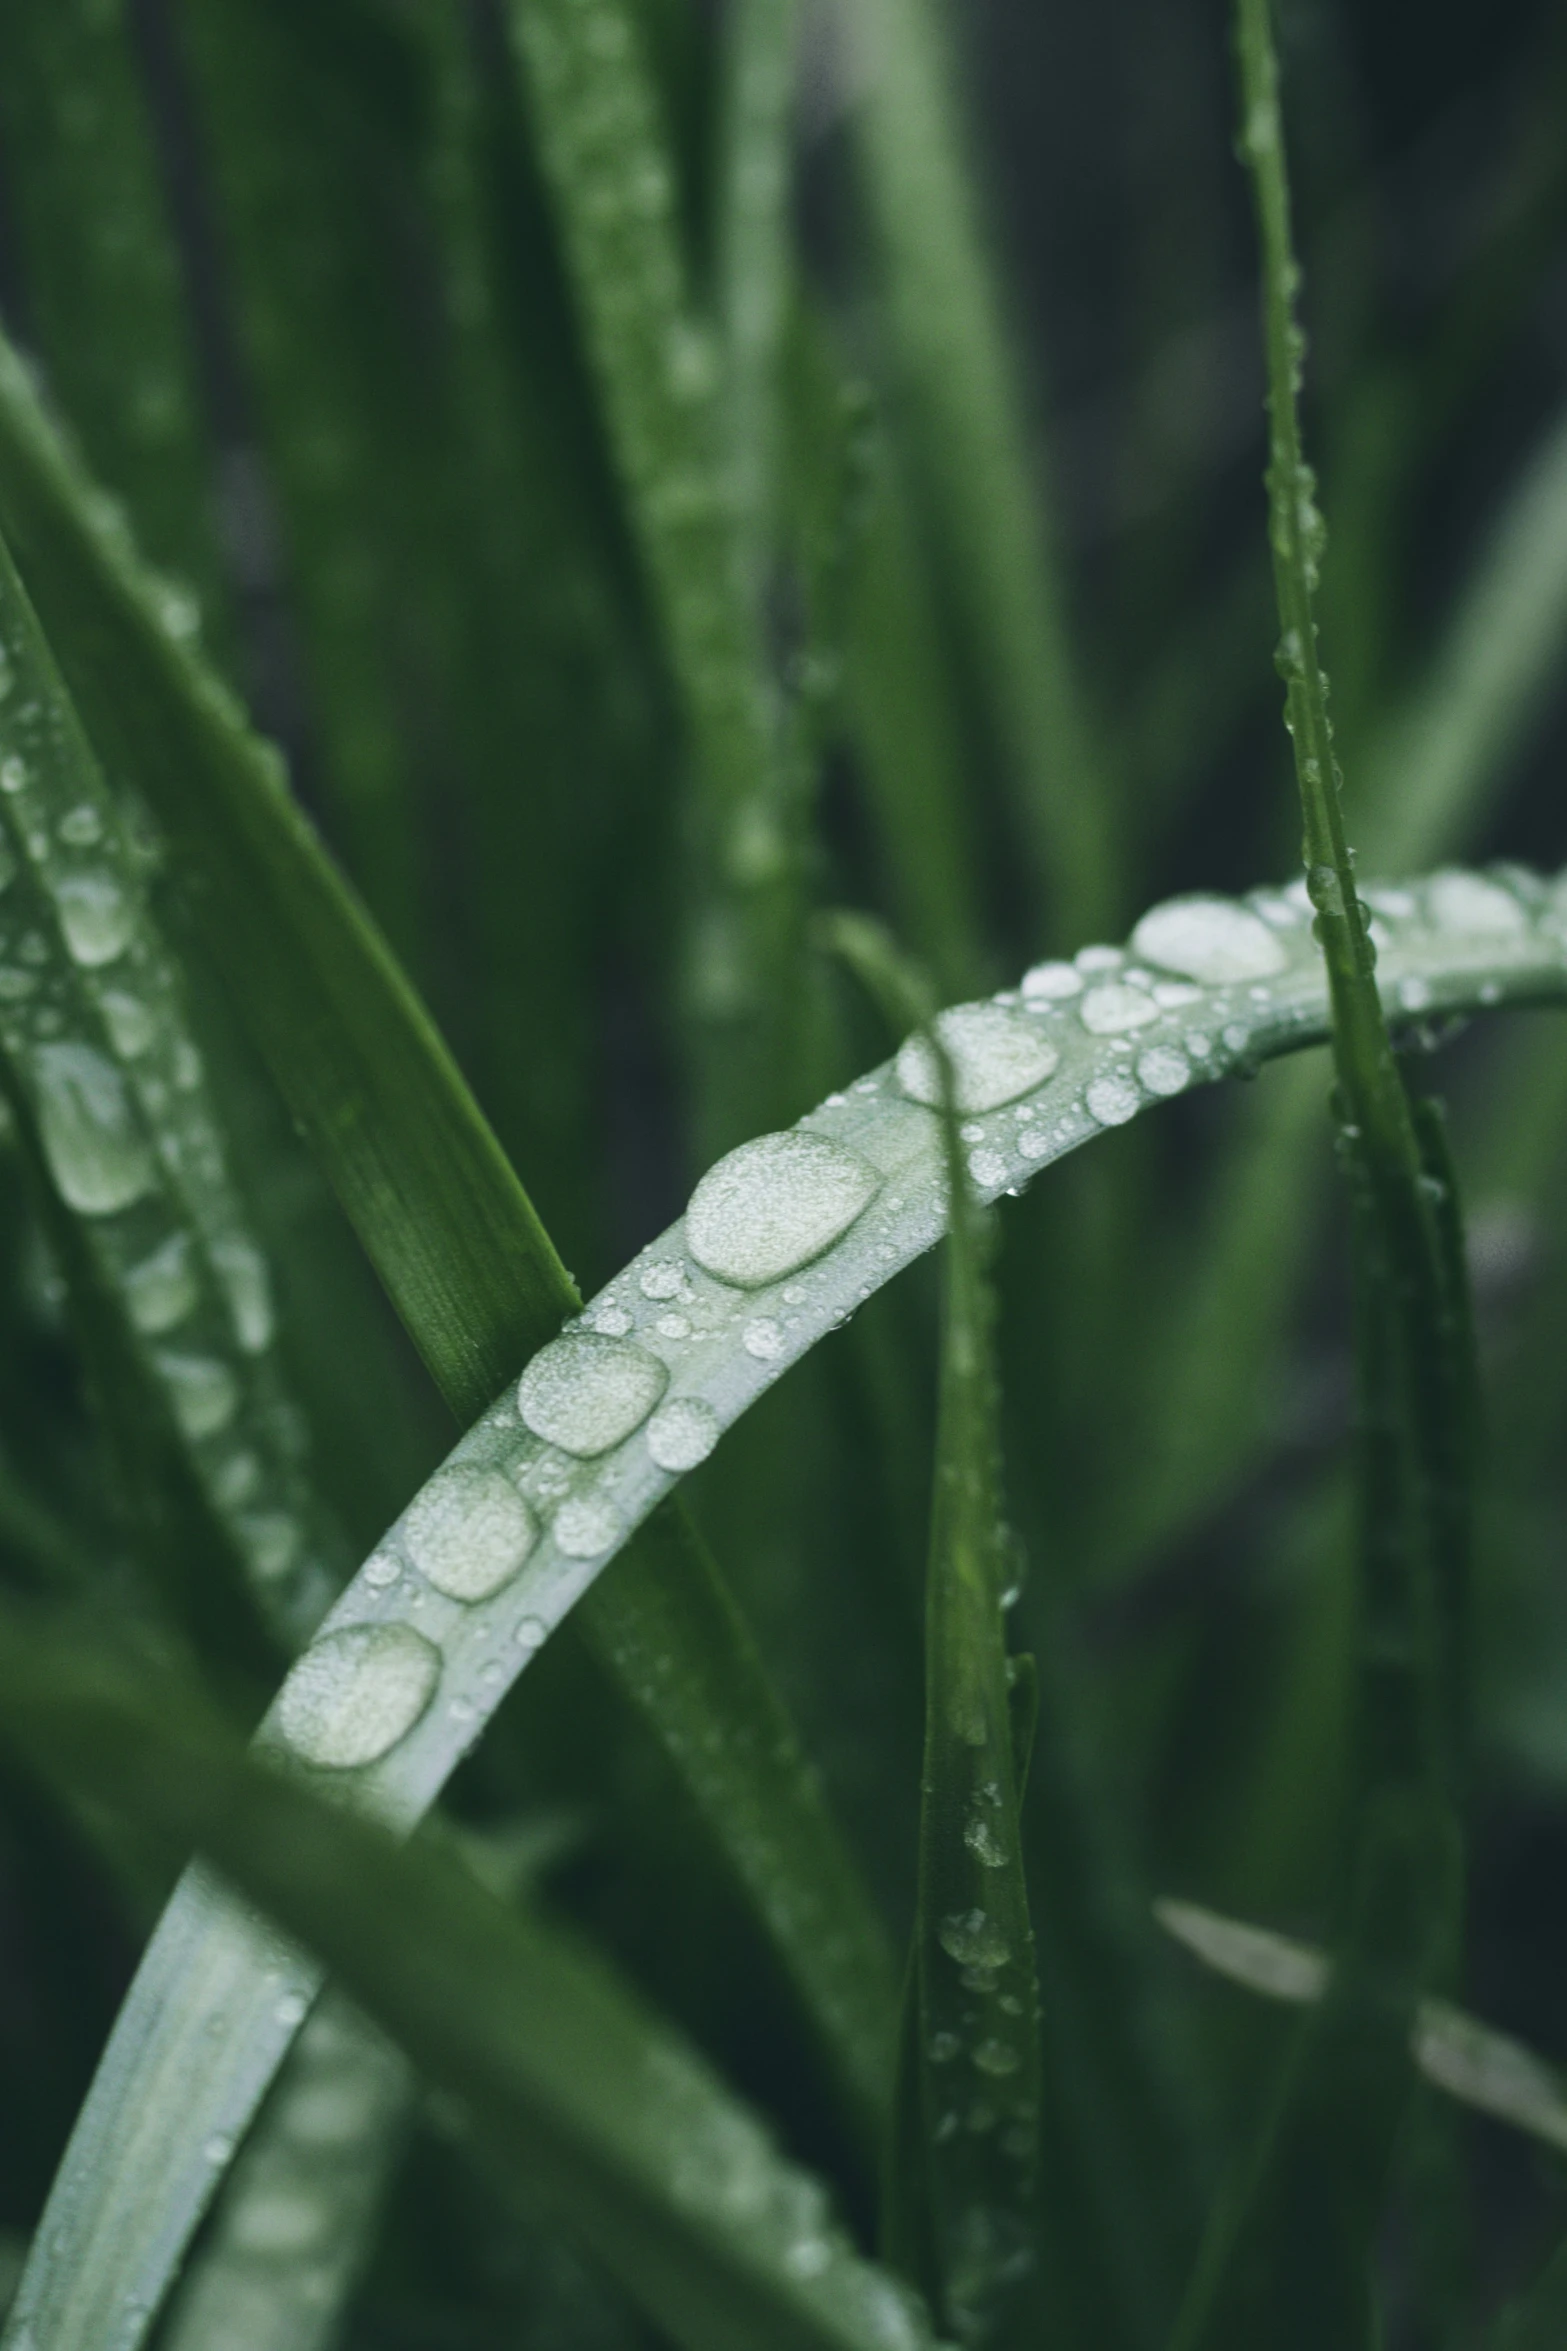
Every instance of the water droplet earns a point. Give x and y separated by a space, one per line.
982 1841
995 1055
611 1320
95 1151
236 1480
530 1634
682 1433
353 1695
1468 902
673 1326
1093 959
242 1270
96 916
292 2009
1397 905
1050 982
1034 1143
1237 1036
774 1205
272 1540
203 1392
1209 939
1197 1045
1414 994
585 1392
764 1339
587 1526
131 1026
270 2223
943 2047
469 1532
13 774
973 1939
997 2058
987 1169
161 1290
1107 1011
1163 1070
666 1279
219 2149
80 827
1112 1100
381 1571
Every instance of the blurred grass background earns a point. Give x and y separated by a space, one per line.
302 281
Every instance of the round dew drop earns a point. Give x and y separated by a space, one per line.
1052 982
774 1205
585 1392
1467 902
997 2058
973 1939
203 1392
469 1532
763 1339
1112 1100
96 1153
1163 1070
1209 939
586 1527
682 1433
161 1290
1108 1011
242 1270
353 1695
130 1024
96 916
983 1843
996 1055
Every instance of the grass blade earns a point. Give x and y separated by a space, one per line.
729 2245
951 356
104 298
661 378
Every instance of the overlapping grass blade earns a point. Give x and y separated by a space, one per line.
105 304
963 2159
661 378
955 372
97 1043
677 2188
1290 2260
1484 2069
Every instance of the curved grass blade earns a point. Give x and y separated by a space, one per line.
567 2085
963 2160
661 377
103 295
1484 2069
411 1671
95 1037
951 355
1289 2260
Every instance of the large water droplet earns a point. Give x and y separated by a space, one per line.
203 1392
1112 1100
242 1270
96 916
996 1055
1109 1010
95 1152
682 1433
469 1532
162 1290
1468 902
585 1393
1163 1070
775 1204
1209 939
973 1938
356 1693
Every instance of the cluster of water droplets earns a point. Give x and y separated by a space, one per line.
93 1027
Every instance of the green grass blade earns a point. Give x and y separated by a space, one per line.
1537 2320
96 1040
762 37
104 301
963 2167
1487 2070
675 2187
950 350
207 2050
661 380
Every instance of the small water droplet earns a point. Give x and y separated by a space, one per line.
973 1939
242 1270
1049 983
161 1290
97 917
1197 1045
130 1024
1034 1143
219 2149
682 1433
774 1205
982 1841
202 1390
943 2047
13 774
1467 902
995 1055
272 1540
1414 994
357 1692
81 827
469 1532
1107 1011
764 1339
292 2009
95 1151
530 1634
1091 959
587 1526
611 1320
1112 1100
997 2058
1163 1070
271 2223
1237 1036
1209 939
987 1169
585 1393
673 1326
666 1279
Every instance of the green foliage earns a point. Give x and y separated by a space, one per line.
506 513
